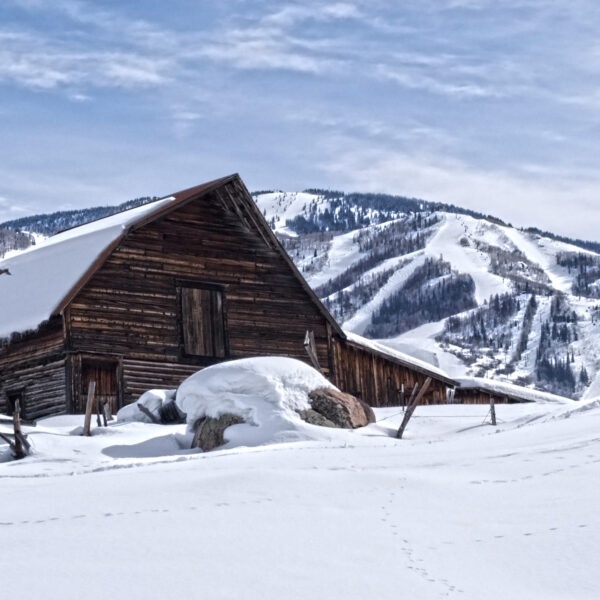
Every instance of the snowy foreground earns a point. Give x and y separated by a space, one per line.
457 509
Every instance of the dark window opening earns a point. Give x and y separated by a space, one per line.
12 399
202 321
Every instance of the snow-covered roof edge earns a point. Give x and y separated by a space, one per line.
401 357
511 390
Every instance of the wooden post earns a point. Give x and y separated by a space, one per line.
412 404
89 408
19 446
493 410
311 349
402 397
152 417
406 417
106 410
105 413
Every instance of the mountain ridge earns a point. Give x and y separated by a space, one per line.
472 293
456 287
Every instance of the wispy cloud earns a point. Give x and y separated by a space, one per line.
279 40
124 52
184 120
11 209
295 13
421 81
34 62
263 48
524 199
407 131
458 100
292 38
49 68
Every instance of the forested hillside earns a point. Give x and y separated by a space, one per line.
464 289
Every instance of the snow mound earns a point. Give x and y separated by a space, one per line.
584 407
265 392
152 400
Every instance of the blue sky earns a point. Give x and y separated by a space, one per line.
492 105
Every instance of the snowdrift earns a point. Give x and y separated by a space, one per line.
152 400
265 392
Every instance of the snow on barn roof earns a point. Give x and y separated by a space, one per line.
41 276
501 388
401 357
46 275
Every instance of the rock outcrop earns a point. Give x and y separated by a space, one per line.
209 431
314 418
343 410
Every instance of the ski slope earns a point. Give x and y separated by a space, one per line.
362 318
465 259
544 255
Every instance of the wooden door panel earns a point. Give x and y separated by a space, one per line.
105 376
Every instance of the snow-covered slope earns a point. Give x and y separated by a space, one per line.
399 275
457 509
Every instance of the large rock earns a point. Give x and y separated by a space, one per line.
341 409
314 418
209 431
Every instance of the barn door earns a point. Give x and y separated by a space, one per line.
105 374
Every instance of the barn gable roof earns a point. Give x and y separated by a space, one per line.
45 278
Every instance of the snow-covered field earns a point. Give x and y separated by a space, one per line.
458 509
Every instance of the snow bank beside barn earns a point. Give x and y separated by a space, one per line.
152 401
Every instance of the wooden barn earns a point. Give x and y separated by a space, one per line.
144 298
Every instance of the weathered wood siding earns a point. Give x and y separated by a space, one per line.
378 380
35 366
129 308
143 375
476 396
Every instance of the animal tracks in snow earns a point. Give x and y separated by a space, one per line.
108 515
413 562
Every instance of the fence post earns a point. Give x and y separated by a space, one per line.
19 446
89 408
412 404
493 410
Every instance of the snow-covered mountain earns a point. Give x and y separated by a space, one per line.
467 292
456 288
